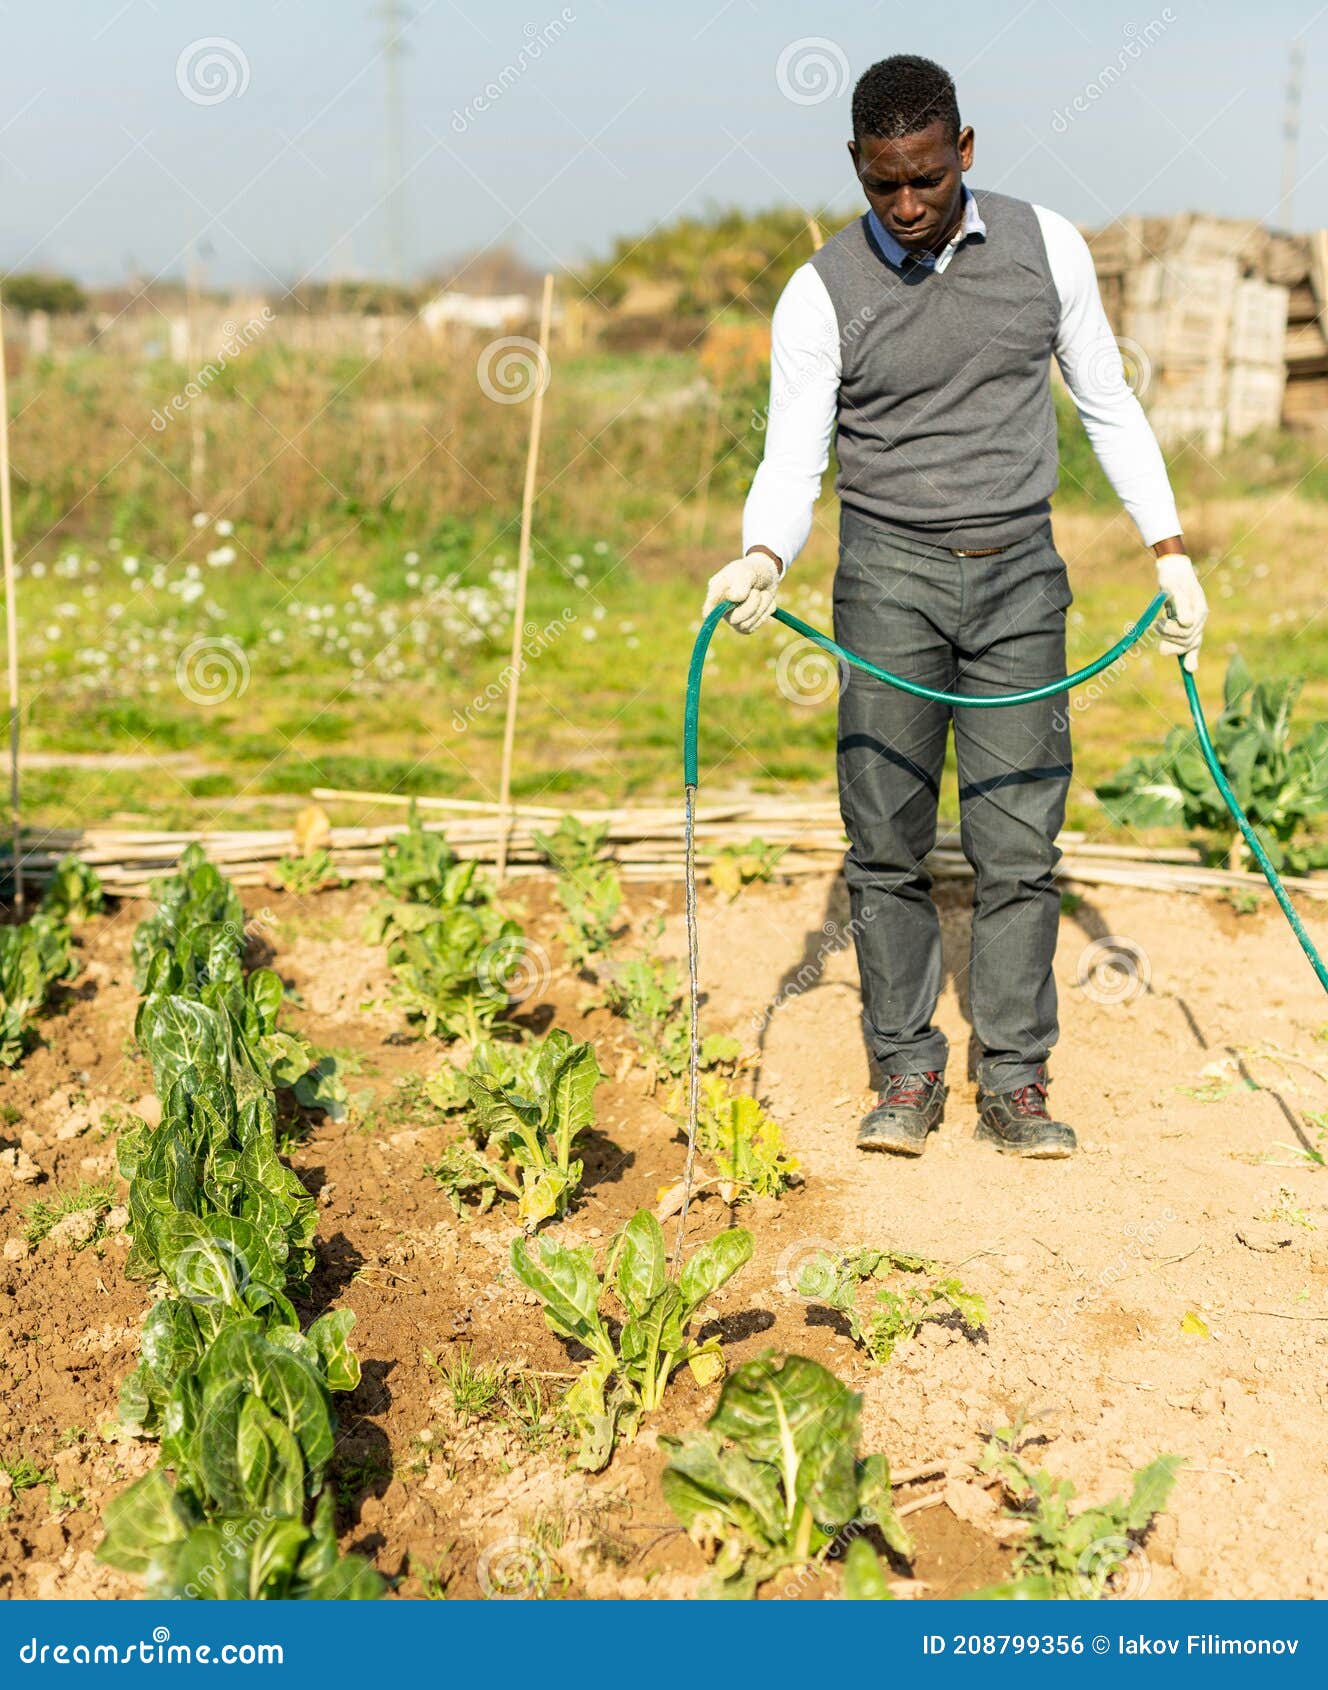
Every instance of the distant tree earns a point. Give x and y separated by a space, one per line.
33 291
723 259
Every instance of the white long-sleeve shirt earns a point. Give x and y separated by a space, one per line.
804 388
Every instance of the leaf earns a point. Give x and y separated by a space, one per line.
706 1366
864 1577
1194 1324
141 1521
330 1336
1152 1488
712 1266
566 1283
639 1262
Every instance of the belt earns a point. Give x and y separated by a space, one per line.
986 551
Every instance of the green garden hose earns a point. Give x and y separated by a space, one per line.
691 721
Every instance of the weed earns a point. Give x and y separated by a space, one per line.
896 1315
736 866
42 1215
588 887
476 1389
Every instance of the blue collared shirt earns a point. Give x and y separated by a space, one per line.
972 224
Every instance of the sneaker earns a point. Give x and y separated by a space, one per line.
1017 1123
909 1108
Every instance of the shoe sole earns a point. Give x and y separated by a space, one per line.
1028 1153
893 1147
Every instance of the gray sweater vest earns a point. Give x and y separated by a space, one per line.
946 428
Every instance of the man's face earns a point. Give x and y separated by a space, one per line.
915 183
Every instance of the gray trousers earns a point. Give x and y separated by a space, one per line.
973 625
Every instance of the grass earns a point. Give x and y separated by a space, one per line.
476 1389
367 597
42 1215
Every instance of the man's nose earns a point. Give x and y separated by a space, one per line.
909 209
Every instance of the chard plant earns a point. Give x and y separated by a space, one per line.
1282 784
894 1316
1065 1554
740 1141
525 1132
736 866
38 956
237 1395
646 993
588 887
632 1359
775 1479
449 947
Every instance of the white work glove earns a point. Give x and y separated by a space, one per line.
1182 630
750 583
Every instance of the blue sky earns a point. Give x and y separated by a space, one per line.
117 147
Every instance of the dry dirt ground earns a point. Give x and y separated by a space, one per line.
1165 1291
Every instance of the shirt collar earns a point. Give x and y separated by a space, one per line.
971 224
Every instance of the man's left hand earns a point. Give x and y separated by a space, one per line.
1182 623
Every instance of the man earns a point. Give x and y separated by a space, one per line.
925 331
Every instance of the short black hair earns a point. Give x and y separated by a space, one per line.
901 95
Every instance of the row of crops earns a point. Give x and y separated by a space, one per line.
238 1395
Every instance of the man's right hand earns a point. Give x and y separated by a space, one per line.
750 584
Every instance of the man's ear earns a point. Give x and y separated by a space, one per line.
966 147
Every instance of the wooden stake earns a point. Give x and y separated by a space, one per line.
814 230
522 573
11 623
197 427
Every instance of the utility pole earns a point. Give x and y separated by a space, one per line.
1291 133
394 17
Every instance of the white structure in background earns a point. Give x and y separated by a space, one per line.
476 311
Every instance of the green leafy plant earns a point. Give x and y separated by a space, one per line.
588 887
1073 1555
312 872
1282 784
741 1141
73 894
238 1395
736 866
529 1129
630 1364
451 951
645 992
775 1480
39 955
895 1315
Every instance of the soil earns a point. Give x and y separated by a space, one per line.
1164 1291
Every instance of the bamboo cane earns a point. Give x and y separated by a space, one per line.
11 624
522 574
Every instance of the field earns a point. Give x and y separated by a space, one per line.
1165 1292
330 607
328 604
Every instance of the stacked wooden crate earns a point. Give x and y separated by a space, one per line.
1215 306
